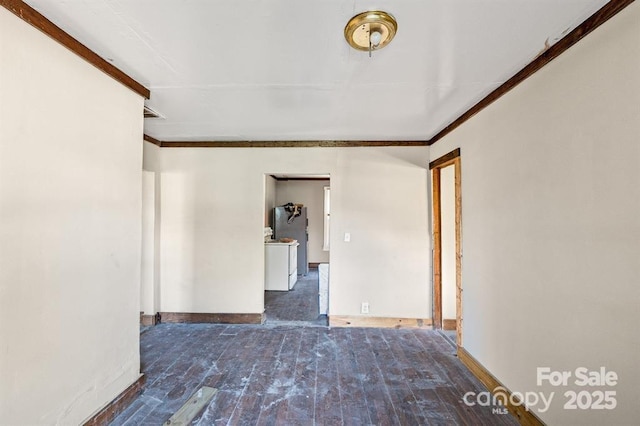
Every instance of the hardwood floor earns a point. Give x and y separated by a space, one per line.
297 305
450 334
296 375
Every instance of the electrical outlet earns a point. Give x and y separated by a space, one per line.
364 309
347 237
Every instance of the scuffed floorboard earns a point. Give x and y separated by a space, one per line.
294 375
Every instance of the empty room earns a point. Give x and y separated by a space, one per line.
319 213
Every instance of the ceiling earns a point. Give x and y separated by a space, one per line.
249 70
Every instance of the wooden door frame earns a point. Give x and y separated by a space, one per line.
452 158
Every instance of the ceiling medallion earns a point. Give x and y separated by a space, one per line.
369 31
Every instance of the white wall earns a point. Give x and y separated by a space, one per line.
151 157
551 222
213 213
311 194
70 185
151 238
448 236
149 294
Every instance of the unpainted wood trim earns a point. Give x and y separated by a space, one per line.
437 248
314 265
37 20
284 179
287 144
449 324
594 21
194 406
152 140
118 405
197 317
458 231
445 160
451 158
148 320
525 417
378 322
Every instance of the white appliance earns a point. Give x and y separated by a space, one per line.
323 288
281 265
287 225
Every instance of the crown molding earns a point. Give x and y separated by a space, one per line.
37 20
605 13
279 144
152 140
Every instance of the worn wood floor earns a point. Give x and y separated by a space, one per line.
295 375
297 305
451 335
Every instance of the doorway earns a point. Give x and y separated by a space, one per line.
296 207
447 249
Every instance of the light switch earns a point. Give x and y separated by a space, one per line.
347 237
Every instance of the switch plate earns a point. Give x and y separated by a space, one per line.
364 309
347 237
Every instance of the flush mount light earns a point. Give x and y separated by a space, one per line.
370 31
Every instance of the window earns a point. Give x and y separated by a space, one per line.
327 208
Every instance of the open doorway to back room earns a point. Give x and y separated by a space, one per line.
447 255
296 248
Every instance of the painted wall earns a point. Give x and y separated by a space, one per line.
311 194
151 157
213 204
70 207
551 223
150 281
448 235
151 237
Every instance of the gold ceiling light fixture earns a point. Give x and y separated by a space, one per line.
369 31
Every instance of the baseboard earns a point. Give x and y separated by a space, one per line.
449 324
525 417
147 320
379 322
314 265
118 405
191 317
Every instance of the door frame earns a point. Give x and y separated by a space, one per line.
451 158
309 177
